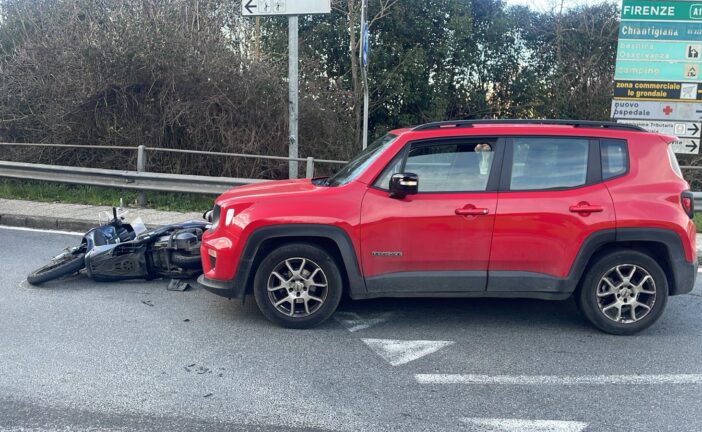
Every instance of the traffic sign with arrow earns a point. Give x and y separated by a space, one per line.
687 146
284 7
680 129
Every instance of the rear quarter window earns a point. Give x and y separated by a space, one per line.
615 159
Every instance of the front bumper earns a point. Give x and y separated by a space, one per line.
222 288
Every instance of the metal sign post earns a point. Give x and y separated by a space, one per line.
291 8
363 54
292 93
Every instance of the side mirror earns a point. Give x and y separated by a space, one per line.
403 184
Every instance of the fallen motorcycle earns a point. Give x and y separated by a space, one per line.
119 251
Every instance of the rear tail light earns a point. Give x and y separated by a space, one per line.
687 200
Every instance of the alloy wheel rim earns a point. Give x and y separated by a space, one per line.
297 287
626 293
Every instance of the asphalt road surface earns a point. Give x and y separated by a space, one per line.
81 355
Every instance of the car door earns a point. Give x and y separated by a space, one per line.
551 200
437 241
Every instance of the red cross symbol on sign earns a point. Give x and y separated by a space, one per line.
668 110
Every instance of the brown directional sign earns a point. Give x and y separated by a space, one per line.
658 90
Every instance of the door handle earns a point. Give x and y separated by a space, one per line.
586 208
472 211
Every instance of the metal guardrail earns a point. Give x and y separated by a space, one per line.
140 179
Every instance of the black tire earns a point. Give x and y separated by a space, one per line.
315 257
68 265
189 262
602 311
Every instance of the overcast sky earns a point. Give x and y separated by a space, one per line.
545 5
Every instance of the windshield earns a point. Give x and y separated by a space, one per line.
358 164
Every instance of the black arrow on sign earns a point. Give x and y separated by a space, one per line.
693 144
695 130
250 6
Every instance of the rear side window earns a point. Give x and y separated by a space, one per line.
549 163
674 161
614 158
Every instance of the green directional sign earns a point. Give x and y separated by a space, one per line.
662 10
658 76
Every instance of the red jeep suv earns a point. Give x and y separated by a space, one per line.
539 209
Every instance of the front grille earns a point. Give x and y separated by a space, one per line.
213 262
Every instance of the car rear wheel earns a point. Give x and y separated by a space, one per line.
298 286
623 292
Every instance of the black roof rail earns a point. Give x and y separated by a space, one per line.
574 123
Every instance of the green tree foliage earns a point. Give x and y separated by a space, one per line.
184 74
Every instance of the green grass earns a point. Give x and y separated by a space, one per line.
96 195
698 222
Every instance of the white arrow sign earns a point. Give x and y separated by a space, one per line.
679 129
662 111
520 425
397 352
285 7
687 146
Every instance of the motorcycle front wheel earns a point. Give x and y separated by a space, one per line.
63 265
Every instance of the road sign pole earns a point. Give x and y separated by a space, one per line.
293 92
363 54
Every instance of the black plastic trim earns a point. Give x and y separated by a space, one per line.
428 282
245 272
559 122
222 288
684 272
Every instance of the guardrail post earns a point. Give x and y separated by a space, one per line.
141 167
310 168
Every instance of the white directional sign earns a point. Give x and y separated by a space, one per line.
678 128
687 146
651 110
284 7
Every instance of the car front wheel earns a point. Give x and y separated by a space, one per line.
298 285
623 292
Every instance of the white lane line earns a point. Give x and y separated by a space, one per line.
398 352
355 322
41 230
557 380
522 425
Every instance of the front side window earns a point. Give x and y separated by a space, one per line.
549 163
451 167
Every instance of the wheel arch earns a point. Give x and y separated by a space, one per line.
663 245
334 240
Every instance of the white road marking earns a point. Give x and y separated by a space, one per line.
41 230
355 322
521 425
397 352
557 380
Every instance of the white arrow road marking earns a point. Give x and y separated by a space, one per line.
557 380
520 425
398 352
13 228
355 322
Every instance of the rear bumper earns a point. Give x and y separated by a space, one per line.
685 276
222 288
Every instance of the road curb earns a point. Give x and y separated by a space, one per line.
46 222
